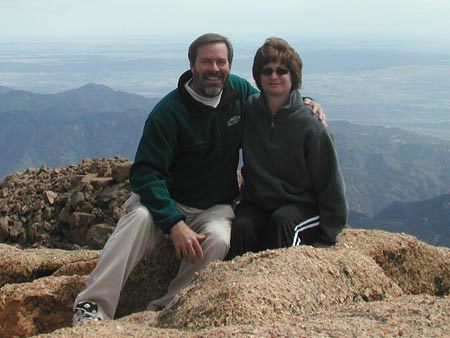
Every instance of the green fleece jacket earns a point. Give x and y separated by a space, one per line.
291 158
189 152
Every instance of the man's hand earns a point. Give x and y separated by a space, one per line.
317 109
186 242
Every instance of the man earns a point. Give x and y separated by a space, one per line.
183 180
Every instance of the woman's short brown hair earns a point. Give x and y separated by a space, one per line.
278 50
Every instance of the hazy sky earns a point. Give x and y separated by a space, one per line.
373 18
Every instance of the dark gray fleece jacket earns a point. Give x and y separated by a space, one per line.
290 157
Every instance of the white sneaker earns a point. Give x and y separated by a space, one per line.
85 312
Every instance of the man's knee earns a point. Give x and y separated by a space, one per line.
219 237
138 220
141 214
216 244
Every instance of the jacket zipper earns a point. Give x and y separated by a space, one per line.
272 128
221 127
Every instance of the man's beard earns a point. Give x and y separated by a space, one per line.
212 91
207 89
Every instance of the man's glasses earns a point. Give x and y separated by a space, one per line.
280 71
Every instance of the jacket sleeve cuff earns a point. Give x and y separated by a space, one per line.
168 223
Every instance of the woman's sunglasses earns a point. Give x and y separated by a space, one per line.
280 71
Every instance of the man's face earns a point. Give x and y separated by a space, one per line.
211 69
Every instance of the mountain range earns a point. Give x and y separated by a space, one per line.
88 99
4 89
386 170
383 165
428 220
61 129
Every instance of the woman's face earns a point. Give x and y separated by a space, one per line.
276 79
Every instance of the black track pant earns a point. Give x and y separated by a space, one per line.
255 229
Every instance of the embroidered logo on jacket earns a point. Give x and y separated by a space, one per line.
234 120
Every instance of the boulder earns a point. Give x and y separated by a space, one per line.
354 289
53 223
39 286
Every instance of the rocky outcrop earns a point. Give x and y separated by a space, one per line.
373 283
72 207
38 286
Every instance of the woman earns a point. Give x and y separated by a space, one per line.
293 191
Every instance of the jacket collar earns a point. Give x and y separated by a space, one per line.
294 103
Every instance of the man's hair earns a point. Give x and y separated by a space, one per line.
206 39
278 50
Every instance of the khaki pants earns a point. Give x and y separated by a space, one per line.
136 235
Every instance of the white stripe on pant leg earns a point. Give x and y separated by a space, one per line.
309 226
294 242
305 225
297 240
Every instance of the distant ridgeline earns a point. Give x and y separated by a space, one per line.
380 165
61 129
428 220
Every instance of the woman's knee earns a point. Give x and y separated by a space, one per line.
243 224
278 219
